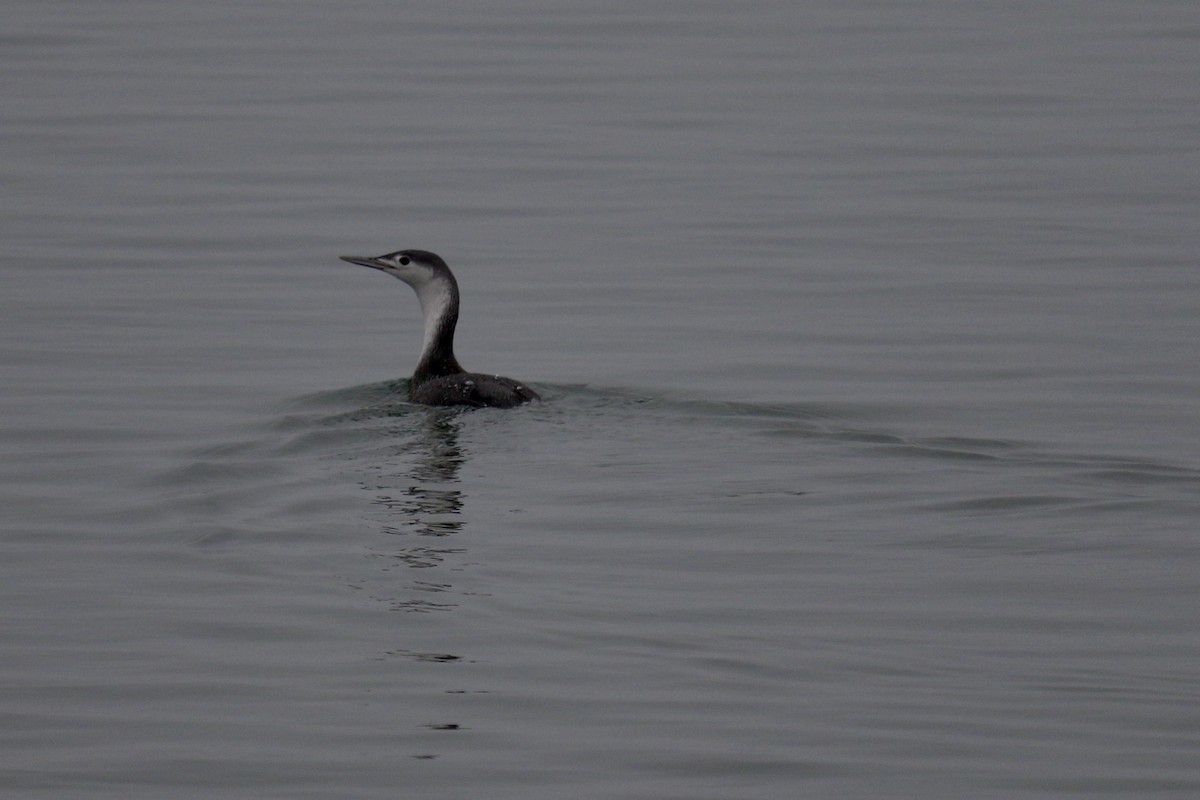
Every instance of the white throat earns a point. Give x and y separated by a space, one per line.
435 298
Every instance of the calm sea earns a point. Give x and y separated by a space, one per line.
869 462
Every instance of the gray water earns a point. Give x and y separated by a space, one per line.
867 465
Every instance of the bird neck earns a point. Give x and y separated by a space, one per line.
439 307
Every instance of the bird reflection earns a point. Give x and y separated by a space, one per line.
428 508
440 455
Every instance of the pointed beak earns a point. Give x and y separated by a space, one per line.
362 261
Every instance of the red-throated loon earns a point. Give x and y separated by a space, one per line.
439 380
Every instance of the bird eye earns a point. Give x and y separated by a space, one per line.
404 261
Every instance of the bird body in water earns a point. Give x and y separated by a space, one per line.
439 379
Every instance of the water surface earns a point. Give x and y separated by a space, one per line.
867 465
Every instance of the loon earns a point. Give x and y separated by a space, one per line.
439 379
